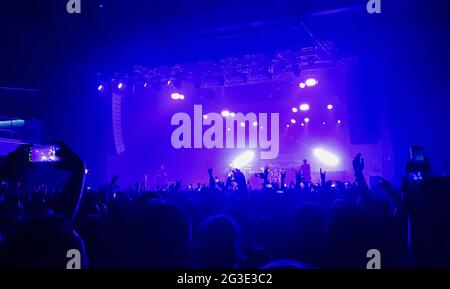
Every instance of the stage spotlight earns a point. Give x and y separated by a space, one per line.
242 124
304 107
205 116
294 109
326 157
120 85
330 107
145 84
177 96
225 113
255 123
243 160
232 114
100 87
311 82
287 125
306 120
302 124
302 85
293 121
324 123
339 121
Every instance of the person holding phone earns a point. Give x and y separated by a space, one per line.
42 239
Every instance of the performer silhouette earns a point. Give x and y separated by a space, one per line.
305 171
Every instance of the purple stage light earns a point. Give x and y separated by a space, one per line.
205 116
293 121
306 120
243 124
225 113
294 109
255 123
232 114
120 85
100 87
287 125
304 107
311 82
339 121
145 84
302 124
330 107
324 123
302 85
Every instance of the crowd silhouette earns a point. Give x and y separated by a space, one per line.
223 224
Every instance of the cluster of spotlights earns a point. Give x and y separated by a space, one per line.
309 82
305 121
306 107
177 96
226 113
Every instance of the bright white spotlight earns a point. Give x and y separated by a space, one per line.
205 116
177 96
242 124
311 82
339 121
302 124
326 157
287 125
304 107
306 120
120 85
232 114
294 109
225 113
302 85
330 107
293 121
243 160
255 123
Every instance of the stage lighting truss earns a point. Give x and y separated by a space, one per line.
233 71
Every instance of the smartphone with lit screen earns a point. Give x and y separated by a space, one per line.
44 153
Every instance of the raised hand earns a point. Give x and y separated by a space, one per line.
210 170
69 159
239 178
322 176
358 164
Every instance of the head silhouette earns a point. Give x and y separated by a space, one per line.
219 243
